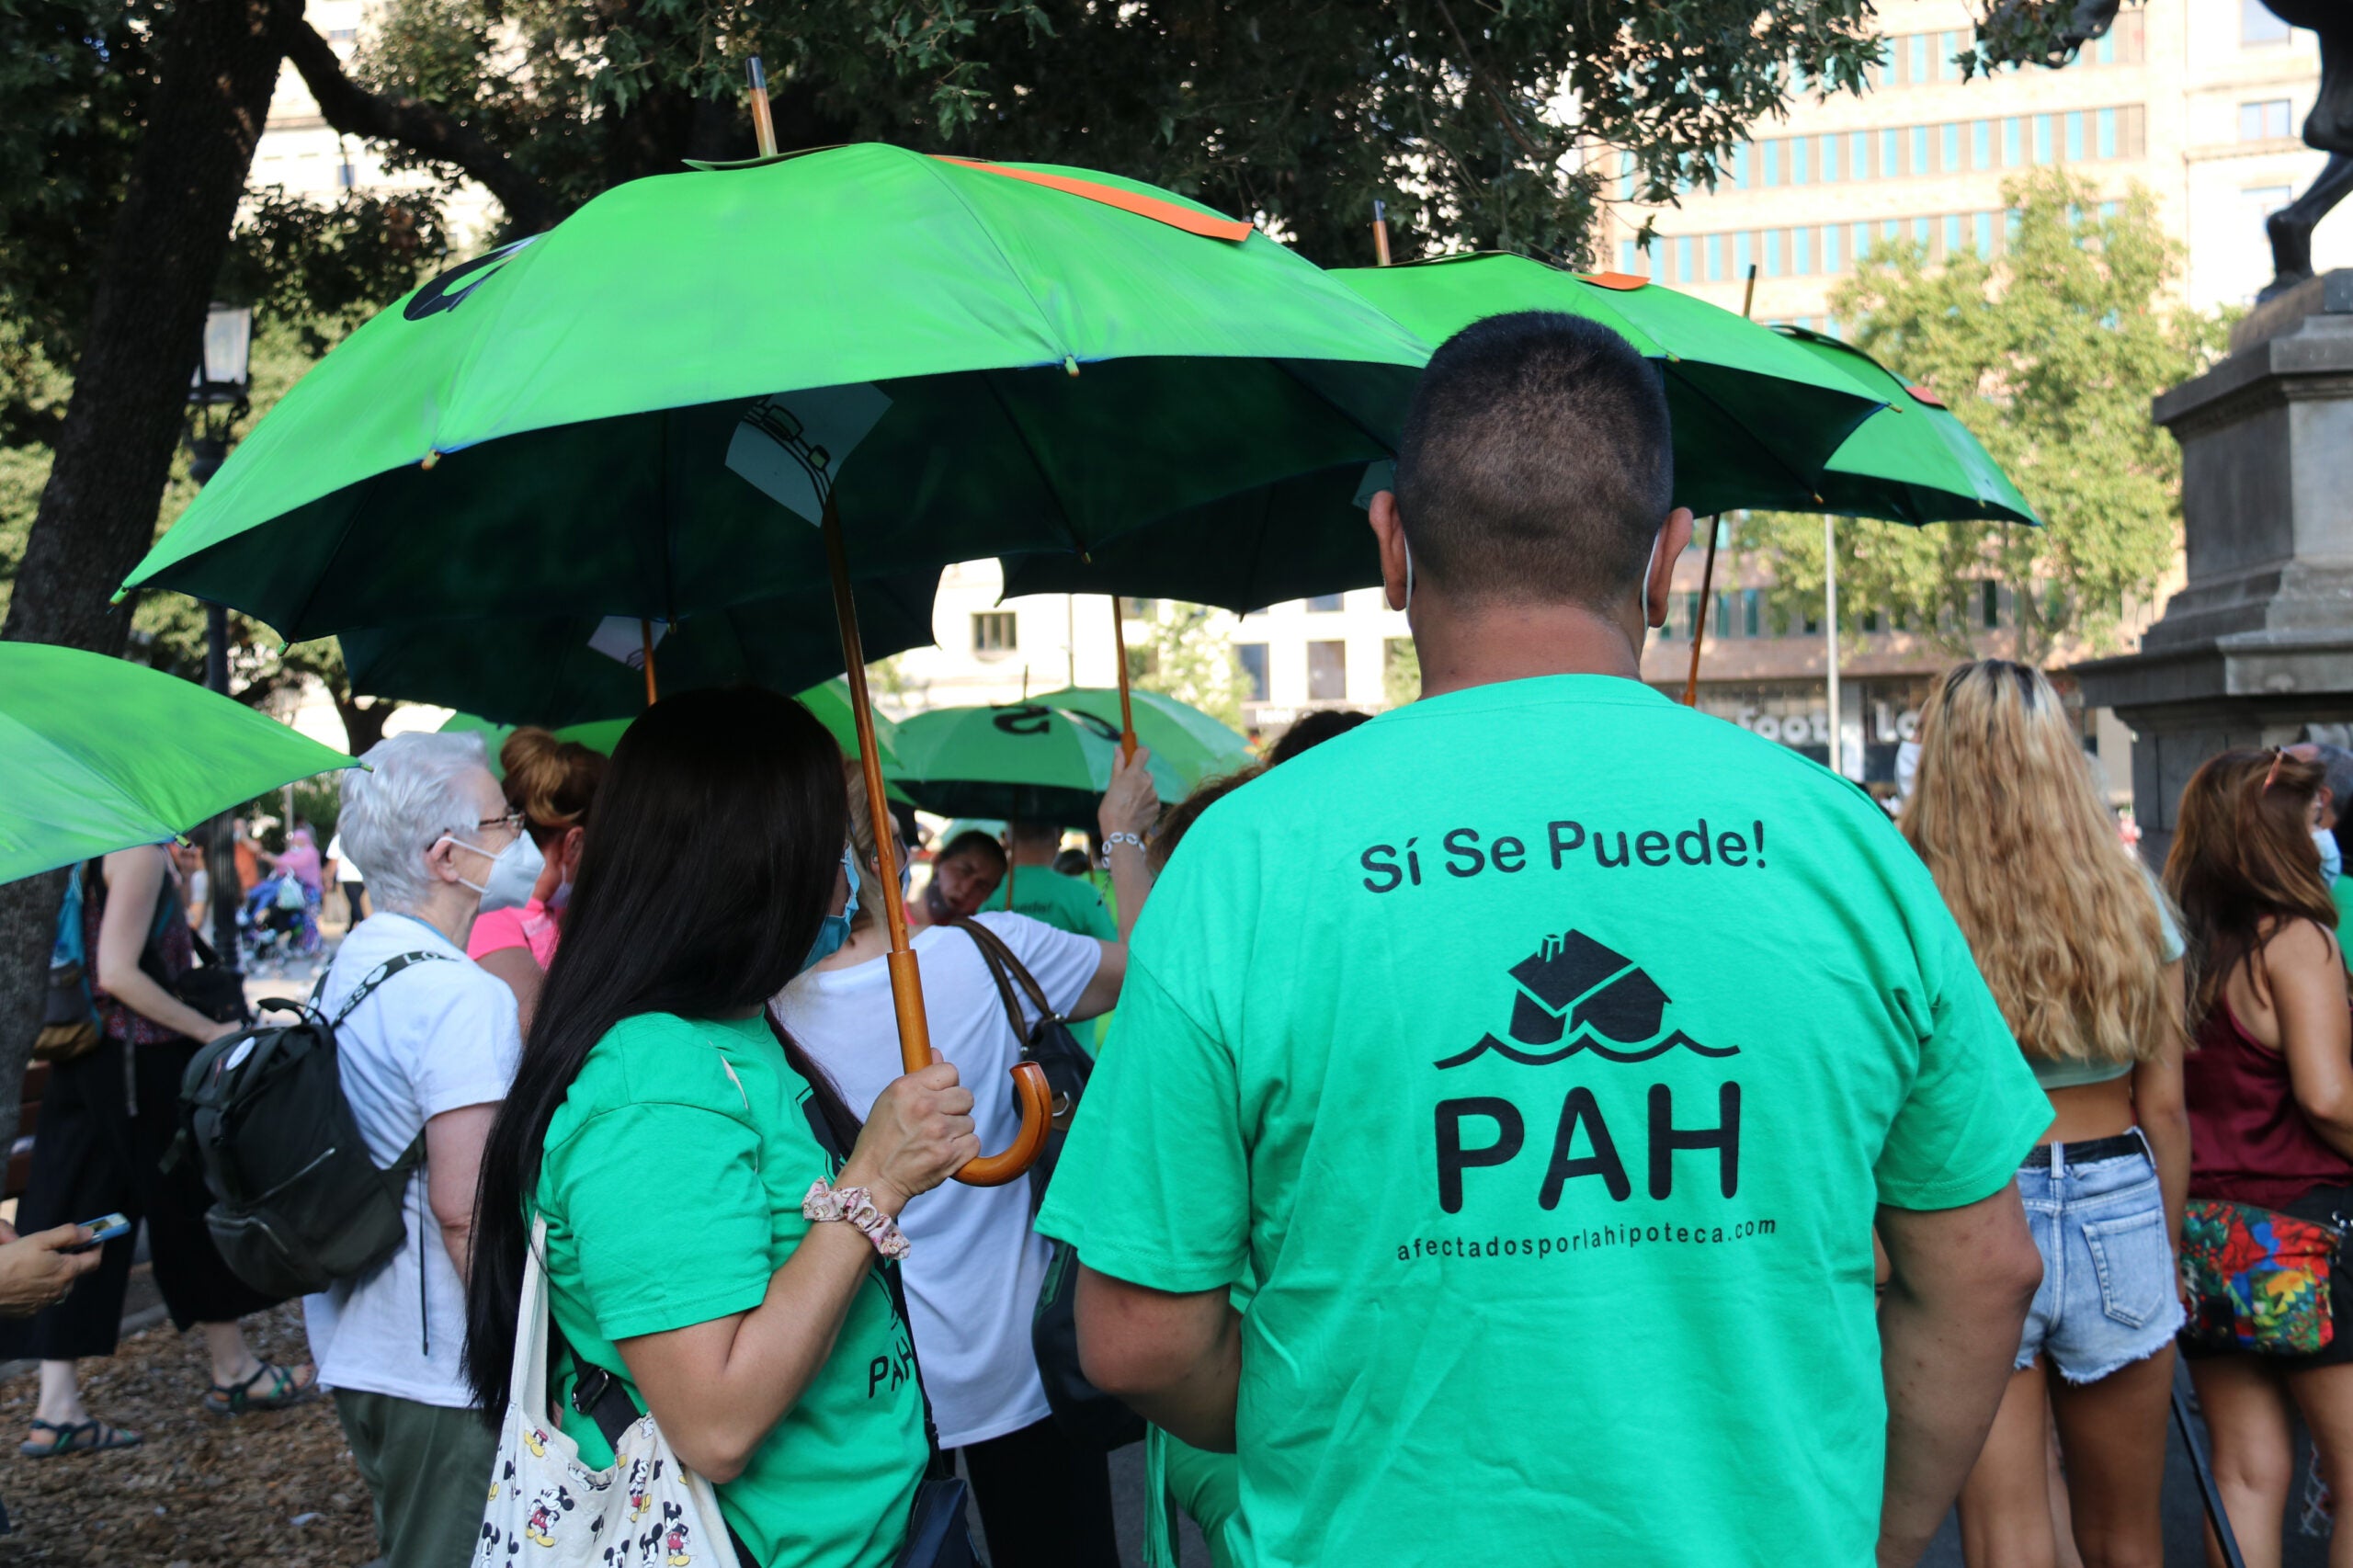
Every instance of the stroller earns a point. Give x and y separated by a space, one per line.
278 923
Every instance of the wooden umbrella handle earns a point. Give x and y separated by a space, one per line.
906 979
1126 706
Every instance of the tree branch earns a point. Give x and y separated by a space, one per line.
425 129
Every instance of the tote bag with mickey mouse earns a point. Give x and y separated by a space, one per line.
549 1510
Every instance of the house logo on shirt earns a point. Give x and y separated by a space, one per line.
1573 993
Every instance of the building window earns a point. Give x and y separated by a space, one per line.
1981 143
1683 272
2041 139
2265 121
1955 241
2104 133
1325 602
1948 46
1802 160
1327 672
343 34
993 632
1921 163
2013 142
1625 255
1752 612
1989 604
2259 25
1830 160
1985 234
1723 616
1802 252
1740 166
1252 658
1715 259
1138 610
1859 154
1952 147
1890 153
1921 70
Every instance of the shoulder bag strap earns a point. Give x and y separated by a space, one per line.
994 955
375 977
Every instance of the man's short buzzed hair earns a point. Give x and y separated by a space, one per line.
1537 462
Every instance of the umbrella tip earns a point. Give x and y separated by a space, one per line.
432 456
118 596
1070 363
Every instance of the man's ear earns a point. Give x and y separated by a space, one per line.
1658 582
1389 533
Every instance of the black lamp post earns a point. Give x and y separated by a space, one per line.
216 395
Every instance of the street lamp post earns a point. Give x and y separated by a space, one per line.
216 394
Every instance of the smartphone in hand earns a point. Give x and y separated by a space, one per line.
103 1229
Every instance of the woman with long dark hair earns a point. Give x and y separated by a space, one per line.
2270 1092
703 1246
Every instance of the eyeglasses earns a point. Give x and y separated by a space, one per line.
515 820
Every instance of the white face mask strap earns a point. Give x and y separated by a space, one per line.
1409 568
453 838
1651 569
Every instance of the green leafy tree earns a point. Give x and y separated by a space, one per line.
1182 656
2050 355
1400 672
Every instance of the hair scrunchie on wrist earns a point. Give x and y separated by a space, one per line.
854 1205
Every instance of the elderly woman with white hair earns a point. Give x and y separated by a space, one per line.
427 1042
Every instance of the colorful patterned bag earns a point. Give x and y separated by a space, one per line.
2256 1280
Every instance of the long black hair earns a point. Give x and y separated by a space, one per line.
707 868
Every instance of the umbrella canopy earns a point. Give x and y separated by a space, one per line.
1182 738
559 670
1058 355
1755 417
1912 461
829 703
98 754
1021 762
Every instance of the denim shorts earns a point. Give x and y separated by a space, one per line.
2108 1297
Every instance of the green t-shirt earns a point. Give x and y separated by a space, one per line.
1544 1049
671 1187
1067 903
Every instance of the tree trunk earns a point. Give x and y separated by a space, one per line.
217 61
363 723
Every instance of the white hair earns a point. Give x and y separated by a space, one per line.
412 792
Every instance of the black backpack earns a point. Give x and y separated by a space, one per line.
298 1203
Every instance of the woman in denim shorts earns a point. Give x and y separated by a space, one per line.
2080 951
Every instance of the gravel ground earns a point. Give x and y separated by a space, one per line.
203 1491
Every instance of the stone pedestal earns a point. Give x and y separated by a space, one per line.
2259 644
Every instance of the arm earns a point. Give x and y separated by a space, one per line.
1131 805
134 878
453 1146
1177 1359
718 1388
523 976
2163 1112
1102 992
1960 1282
2307 981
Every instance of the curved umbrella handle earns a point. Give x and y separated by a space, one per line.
1036 1120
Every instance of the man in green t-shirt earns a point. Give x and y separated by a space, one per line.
1044 894
1547 1053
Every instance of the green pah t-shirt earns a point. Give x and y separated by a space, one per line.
1066 904
671 1187
1544 1049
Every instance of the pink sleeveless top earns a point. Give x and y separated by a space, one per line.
2248 1142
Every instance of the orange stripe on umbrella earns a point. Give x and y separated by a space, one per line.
1207 224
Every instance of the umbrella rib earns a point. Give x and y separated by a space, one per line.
1045 322
1812 484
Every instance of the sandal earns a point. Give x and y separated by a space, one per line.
77 1438
286 1388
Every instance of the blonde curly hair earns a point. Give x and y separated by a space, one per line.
2062 923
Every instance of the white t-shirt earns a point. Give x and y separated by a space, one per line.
436 1037
975 1266
346 869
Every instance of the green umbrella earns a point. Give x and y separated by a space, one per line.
1021 762
1756 418
559 670
829 703
1912 461
1049 357
602 420
1182 739
98 754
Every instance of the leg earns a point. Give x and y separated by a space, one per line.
425 1469
2005 1503
2290 228
2247 1418
2324 1394
2113 1433
1044 1500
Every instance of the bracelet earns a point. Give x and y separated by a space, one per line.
855 1206
1120 838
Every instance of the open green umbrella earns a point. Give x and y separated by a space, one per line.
1022 762
1183 739
828 702
1756 420
98 754
1912 461
559 670
931 359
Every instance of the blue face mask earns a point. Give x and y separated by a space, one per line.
2332 859
835 930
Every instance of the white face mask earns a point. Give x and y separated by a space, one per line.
2332 859
513 872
